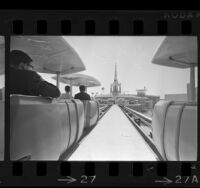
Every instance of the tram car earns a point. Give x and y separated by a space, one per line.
42 128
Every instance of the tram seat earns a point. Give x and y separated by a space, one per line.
76 114
171 131
39 128
1 95
85 106
158 122
179 130
91 109
188 143
94 113
2 127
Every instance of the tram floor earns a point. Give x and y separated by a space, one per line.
113 139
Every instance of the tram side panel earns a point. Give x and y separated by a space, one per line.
2 130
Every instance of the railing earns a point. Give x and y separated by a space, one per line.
103 110
140 118
144 126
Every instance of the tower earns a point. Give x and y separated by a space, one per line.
115 87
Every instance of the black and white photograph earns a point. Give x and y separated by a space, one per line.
2 97
101 98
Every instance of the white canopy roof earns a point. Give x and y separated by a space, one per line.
177 51
50 54
79 79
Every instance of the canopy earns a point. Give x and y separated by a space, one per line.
50 54
79 79
2 55
179 52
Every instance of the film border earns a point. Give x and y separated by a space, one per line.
95 23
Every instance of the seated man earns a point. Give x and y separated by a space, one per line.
25 81
82 95
67 94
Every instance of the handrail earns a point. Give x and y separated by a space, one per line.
104 110
140 115
144 119
147 138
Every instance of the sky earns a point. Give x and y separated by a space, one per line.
133 56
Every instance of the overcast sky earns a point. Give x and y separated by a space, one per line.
133 57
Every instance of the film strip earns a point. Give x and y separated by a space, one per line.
95 24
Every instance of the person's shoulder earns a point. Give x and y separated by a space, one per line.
87 94
33 74
76 95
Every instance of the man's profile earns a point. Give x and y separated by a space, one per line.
82 95
25 81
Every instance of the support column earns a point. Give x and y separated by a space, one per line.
192 83
58 79
70 89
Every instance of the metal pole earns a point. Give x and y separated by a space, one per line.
71 89
58 79
192 82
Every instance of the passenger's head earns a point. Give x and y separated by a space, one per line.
67 89
20 60
82 88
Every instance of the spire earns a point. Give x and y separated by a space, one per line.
115 72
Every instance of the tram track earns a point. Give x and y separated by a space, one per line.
143 125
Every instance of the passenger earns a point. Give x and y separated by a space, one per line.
82 95
67 94
25 81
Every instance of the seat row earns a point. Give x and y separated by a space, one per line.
174 131
42 129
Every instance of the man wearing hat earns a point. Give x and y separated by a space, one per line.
25 81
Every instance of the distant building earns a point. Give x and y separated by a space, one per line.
141 92
115 87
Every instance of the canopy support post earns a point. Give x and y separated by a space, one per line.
192 83
70 89
57 79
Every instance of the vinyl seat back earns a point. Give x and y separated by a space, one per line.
174 127
39 128
91 109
